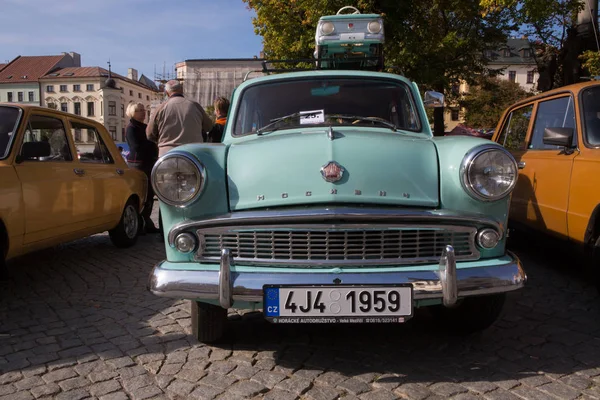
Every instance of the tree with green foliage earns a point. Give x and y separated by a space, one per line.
433 42
485 101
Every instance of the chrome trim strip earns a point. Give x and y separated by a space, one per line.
248 286
279 244
338 215
225 283
448 277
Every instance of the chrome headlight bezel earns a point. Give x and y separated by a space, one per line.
327 23
200 171
468 162
375 31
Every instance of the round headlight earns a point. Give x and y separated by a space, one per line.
488 172
178 179
374 27
488 238
327 28
185 242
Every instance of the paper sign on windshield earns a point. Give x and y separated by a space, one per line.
312 117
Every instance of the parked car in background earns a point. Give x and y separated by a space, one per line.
336 205
62 178
555 138
464 130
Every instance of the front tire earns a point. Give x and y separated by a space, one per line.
126 233
208 321
472 314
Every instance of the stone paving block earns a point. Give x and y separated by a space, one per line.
277 394
354 386
73 383
77 394
115 396
104 388
145 393
59 375
413 391
203 392
330 378
269 379
577 381
181 387
529 393
28 383
295 385
10 377
466 396
33 371
378 394
244 372
535 380
221 367
45 390
322 393
500 394
7 389
24 395
560 390
121 362
480 386
247 389
137 382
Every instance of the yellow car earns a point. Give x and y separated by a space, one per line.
555 138
62 178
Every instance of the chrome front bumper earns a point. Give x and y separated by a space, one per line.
447 283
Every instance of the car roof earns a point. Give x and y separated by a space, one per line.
31 107
573 88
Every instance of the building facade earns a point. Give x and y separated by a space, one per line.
84 91
19 79
514 62
206 79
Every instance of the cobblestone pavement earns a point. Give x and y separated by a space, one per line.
76 321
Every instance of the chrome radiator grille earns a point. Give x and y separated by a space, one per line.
316 246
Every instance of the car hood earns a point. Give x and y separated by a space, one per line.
379 167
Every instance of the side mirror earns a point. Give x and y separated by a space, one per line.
558 136
433 99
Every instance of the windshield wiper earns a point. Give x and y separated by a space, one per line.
360 118
275 121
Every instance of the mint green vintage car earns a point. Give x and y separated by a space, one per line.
329 201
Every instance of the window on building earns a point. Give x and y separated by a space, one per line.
89 87
90 109
512 76
112 108
77 108
122 111
455 114
139 95
123 135
52 106
456 89
506 53
10 97
19 96
113 132
64 107
147 98
98 153
50 88
529 76
63 88
131 92
47 131
77 88
31 97
514 131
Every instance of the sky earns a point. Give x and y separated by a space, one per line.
140 34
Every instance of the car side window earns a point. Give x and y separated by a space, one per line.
45 140
90 146
514 132
555 113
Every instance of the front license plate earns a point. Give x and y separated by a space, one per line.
337 304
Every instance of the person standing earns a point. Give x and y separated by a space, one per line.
142 155
178 121
215 135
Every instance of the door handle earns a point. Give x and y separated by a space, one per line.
120 171
521 164
79 171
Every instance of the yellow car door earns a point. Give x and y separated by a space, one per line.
547 168
108 189
55 189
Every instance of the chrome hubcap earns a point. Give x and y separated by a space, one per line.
130 221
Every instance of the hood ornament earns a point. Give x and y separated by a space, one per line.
332 171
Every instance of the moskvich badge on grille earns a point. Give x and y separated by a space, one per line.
332 171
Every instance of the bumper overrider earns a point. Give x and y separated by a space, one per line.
442 280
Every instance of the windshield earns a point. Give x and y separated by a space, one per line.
326 101
591 112
9 120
